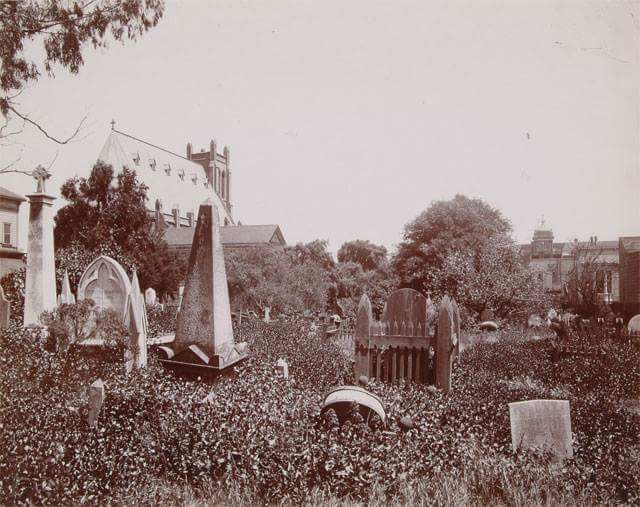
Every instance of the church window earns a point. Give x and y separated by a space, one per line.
167 168
152 163
194 178
181 174
136 158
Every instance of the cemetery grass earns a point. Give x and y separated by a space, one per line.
260 440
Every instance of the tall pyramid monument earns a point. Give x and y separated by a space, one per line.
204 334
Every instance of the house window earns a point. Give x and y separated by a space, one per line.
6 233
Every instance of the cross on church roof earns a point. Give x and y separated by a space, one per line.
113 124
541 222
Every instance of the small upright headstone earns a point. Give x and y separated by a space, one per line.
283 368
96 398
267 314
542 424
66 296
150 296
5 310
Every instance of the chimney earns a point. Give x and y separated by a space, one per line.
176 216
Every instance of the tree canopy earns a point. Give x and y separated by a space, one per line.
365 253
458 225
108 211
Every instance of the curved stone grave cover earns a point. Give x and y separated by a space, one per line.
106 282
341 398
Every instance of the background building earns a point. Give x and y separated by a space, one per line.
10 256
630 275
554 261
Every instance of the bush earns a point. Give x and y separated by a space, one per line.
162 319
261 437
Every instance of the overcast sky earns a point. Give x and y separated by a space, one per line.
346 119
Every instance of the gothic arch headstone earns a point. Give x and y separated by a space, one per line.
106 282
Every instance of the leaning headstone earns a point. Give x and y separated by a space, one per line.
96 399
136 322
66 296
283 368
205 315
634 325
542 424
5 310
150 296
40 280
444 346
106 282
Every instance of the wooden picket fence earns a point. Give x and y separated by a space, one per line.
405 344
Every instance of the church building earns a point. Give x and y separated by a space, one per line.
177 186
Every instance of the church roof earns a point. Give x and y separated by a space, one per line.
8 194
175 180
236 235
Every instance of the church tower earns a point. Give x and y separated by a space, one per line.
542 243
217 168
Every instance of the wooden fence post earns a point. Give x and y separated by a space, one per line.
444 346
362 333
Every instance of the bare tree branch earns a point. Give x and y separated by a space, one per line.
43 131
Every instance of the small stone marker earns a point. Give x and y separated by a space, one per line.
283 368
96 398
535 321
150 296
267 314
542 424
5 310
406 423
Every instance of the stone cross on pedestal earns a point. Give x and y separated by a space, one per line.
40 280
41 175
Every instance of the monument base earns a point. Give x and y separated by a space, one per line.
194 361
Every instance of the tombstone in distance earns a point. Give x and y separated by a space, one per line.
150 296
542 424
283 368
96 399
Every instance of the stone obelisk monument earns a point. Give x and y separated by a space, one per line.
204 320
40 282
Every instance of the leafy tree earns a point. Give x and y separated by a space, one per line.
353 281
109 214
493 277
314 252
365 253
458 225
64 30
586 279
265 277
